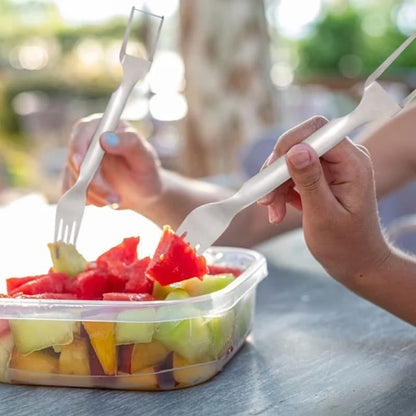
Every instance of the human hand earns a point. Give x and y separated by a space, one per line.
129 174
336 194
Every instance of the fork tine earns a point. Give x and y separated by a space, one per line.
75 231
58 228
379 71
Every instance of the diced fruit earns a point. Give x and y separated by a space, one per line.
65 258
38 361
124 358
174 260
4 327
135 275
47 295
164 373
6 348
12 283
101 335
125 253
216 269
188 374
140 329
34 334
52 283
243 316
209 284
160 292
121 296
188 337
146 355
92 284
144 379
221 331
74 358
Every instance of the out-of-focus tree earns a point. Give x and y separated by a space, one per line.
225 47
350 42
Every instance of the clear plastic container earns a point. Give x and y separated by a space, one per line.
151 345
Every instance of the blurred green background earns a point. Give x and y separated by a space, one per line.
59 62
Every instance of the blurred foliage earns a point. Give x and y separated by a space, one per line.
339 45
64 76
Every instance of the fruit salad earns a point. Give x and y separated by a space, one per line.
155 323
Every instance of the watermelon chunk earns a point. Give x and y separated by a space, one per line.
47 295
128 296
214 269
51 282
174 260
93 283
124 253
136 279
13 283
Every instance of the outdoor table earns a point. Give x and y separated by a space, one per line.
315 349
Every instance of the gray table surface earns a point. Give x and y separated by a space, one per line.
316 349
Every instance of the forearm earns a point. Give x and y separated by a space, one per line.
393 152
392 285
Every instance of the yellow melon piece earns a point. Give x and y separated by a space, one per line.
38 361
101 335
187 374
147 355
74 358
145 379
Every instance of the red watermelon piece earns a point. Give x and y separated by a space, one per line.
213 269
47 295
13 283
174 260
93 283
136 278
128 296
124 253
48 283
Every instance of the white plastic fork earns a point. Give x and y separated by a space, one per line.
206 223
71 205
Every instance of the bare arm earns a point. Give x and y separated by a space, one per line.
392 147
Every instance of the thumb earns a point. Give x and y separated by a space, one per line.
307 174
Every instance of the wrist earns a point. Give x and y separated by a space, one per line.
390 284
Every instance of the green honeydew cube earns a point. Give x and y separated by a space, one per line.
209 283
135 332
189 338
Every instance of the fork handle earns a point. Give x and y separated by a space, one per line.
108 122
111 118
376 104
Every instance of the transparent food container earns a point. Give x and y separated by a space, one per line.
148 345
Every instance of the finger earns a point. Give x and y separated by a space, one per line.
308 176
82 134
129 146
297 134
285 142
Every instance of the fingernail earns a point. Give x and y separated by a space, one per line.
274 216
111 139
299 157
